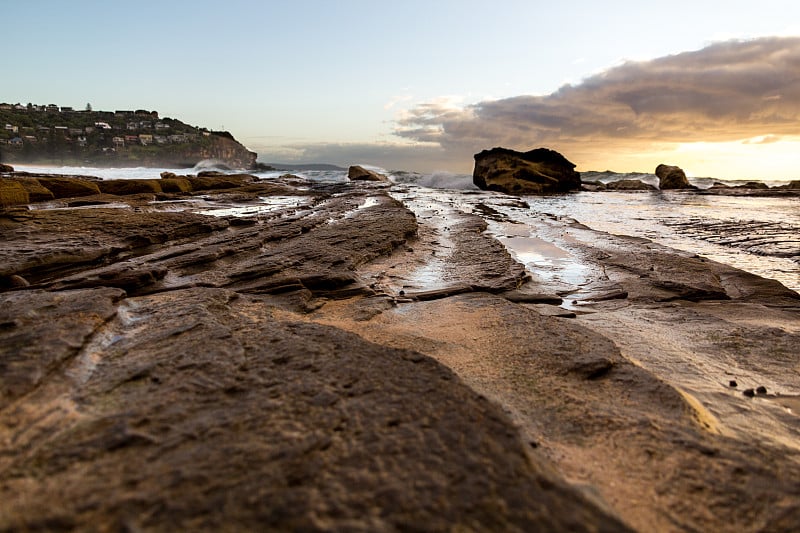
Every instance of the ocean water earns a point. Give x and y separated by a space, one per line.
757 234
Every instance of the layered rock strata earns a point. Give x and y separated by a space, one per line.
295 355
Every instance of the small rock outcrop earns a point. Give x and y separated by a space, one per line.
6 168
539 171
672 177
629 185
753 185
359 173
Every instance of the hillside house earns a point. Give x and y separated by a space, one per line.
145 139
160 126
74 132
102 125
12 128
30 139
118 141
6 107
132 126
132 139
160 139
51 108
16 141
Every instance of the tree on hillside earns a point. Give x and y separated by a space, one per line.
88 106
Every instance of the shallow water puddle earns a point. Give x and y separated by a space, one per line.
270 205
546 260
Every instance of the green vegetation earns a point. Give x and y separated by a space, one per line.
49 134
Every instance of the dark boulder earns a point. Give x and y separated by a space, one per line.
6 168
672 177
358 173
539 171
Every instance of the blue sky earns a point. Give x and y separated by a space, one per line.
347 81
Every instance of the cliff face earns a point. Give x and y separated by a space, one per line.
227 150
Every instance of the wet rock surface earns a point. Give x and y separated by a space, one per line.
538 171
242 354
760 238
671 177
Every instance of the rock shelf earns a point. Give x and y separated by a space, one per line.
370 358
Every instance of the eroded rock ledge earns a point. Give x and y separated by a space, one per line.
231 353
157 373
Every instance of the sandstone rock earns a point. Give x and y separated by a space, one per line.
12 193
129 186
43 329
6 168
63 187
629 185
222 181
794 185
168 175
358 173
175 183
671 177
539 171
36 192
238 414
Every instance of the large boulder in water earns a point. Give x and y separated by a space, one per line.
672 177
359 173
539 171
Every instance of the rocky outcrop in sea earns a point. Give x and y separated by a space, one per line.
539 171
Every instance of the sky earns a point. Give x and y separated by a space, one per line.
711 86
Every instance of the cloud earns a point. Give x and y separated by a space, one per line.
728 91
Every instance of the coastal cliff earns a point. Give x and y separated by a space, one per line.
55 135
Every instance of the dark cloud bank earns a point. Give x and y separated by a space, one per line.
729 91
